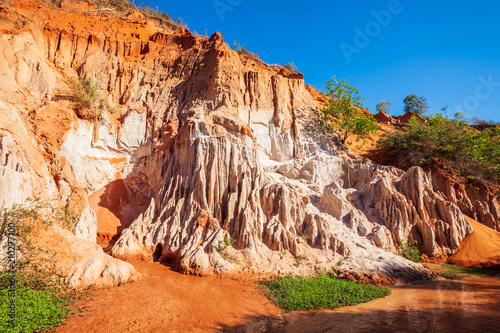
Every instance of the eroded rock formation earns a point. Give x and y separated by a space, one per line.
216 149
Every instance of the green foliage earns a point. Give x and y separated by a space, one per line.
343 113
384 106
409 250
452 141
89 97
299 259
224 244
415 104
342 260
38 310
42 299
222 249
322 291
291 67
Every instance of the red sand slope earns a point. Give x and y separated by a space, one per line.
481 248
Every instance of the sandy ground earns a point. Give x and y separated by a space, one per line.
167 301
481 248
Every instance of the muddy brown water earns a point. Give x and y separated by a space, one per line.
468 305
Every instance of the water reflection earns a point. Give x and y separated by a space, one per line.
469 305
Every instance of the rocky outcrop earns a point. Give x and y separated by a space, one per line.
410 209
84 263
474 199
384 118
224 150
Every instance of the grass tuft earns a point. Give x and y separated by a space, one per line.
453 272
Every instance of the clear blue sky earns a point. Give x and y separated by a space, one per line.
447 51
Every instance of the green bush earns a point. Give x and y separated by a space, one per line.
452 141
36 310
41 298
322 291
89 97
224 244
291 67
409 250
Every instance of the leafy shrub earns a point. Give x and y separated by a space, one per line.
240 49
222 249
409 250
224 244
452 141
291 67
343 112
322 291
35 310
42 300
89 97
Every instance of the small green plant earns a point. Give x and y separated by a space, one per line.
343 112
222 249
342 260
409 250
321 291
224 244
299 259
89 97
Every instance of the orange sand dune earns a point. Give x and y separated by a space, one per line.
481 248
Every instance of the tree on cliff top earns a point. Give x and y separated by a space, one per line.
343 112
384 106
415 104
